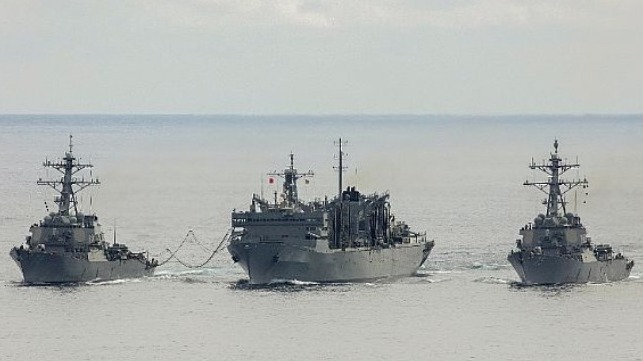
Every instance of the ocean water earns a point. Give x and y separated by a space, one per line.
457 178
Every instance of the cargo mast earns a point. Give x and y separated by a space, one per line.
340 167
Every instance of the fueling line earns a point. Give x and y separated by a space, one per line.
191 235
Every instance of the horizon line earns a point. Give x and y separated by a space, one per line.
311 115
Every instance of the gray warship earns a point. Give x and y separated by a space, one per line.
351 238
555 249
68 246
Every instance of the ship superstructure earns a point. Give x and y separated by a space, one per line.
68 246
555 248
352 237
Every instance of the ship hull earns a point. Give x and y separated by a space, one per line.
546 270
278 262
46 268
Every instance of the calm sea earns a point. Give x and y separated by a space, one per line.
457 178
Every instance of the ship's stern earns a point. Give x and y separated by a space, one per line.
428 247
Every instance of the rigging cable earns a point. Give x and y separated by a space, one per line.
216 250
193 236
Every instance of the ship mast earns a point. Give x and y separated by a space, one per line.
291 177
340 167
68 166
555 187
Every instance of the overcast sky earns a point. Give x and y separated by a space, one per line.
321 57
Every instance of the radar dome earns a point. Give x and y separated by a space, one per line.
550 222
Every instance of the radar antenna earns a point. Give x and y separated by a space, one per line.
68 166
556 187
291 177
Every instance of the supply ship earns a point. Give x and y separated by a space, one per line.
351 238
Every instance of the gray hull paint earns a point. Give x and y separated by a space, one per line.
42 267
274 262
541 269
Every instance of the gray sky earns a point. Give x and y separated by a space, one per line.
321 57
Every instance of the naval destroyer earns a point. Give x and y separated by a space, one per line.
68 246
555 249
350 238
